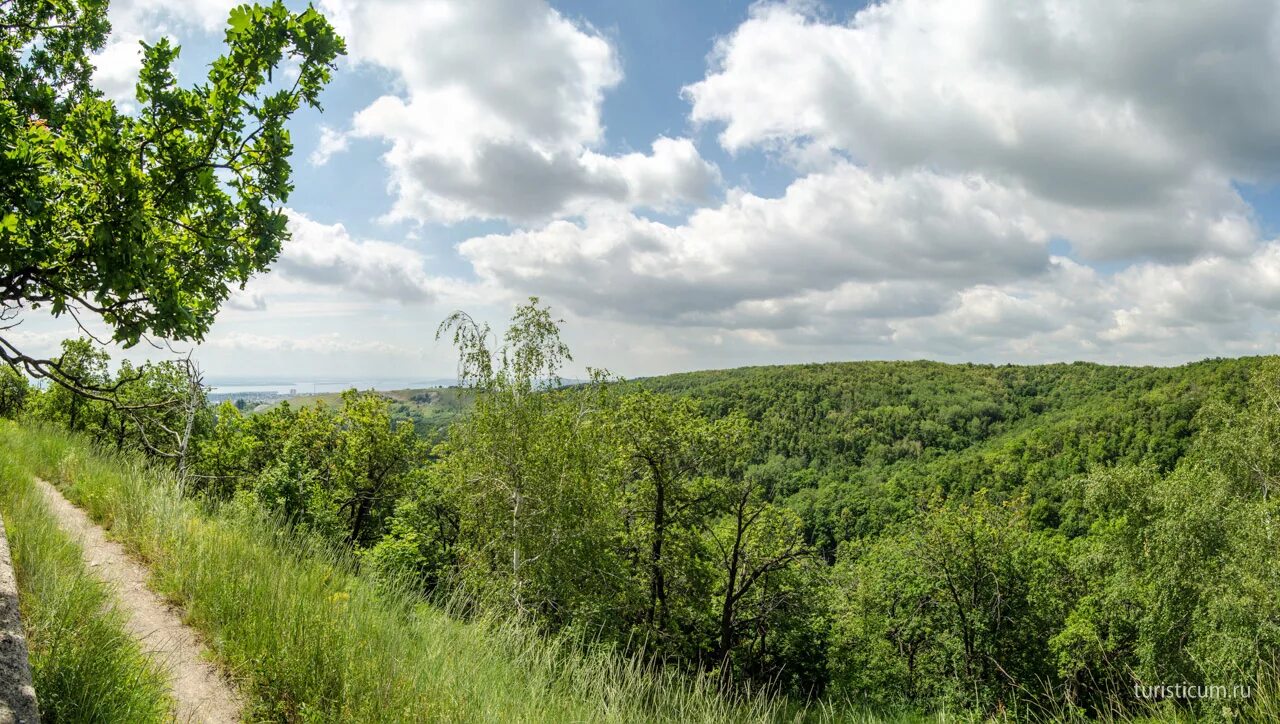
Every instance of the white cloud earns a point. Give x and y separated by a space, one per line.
509 65
939 150
1104 108
944 147
46 343
247 300
116 67
674 173
330 144
912 263
327 256
829 229
499 113
1213 297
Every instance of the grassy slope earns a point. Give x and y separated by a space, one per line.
310 640
86 668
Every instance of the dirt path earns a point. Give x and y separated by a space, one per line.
201 693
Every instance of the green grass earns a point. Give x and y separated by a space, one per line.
311 640
85 667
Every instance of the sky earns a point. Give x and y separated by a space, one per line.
713 184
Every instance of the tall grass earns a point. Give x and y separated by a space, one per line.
310 639
85 666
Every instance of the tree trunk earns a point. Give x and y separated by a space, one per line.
185 442
731 592
360 515
657 579
726 618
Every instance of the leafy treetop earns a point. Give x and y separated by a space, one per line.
144 220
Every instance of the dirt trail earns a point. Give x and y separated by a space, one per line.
201 693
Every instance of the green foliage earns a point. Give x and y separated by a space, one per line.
950 608
629 517
676 477
855 446
1029 542
225 453
157 408
85 665
431 411
87 362
529 478
311 639
528 474
1175 572
760 589
145 220
14 391
336 472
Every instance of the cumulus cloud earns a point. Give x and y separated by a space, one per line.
1110 108
45 343
977 180
326 255
942 148
499 114
907 263
1215 297
246 300
827 230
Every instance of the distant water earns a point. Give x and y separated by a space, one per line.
309 387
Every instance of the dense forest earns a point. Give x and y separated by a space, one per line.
1059 541
910 536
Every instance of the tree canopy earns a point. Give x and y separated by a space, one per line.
147 219
908 536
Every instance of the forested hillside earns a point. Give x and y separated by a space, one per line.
853 444
1063 531
905 536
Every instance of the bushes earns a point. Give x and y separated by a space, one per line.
1169 580
311 640
1003 538
14 390
952 608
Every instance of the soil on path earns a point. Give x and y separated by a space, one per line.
199 690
